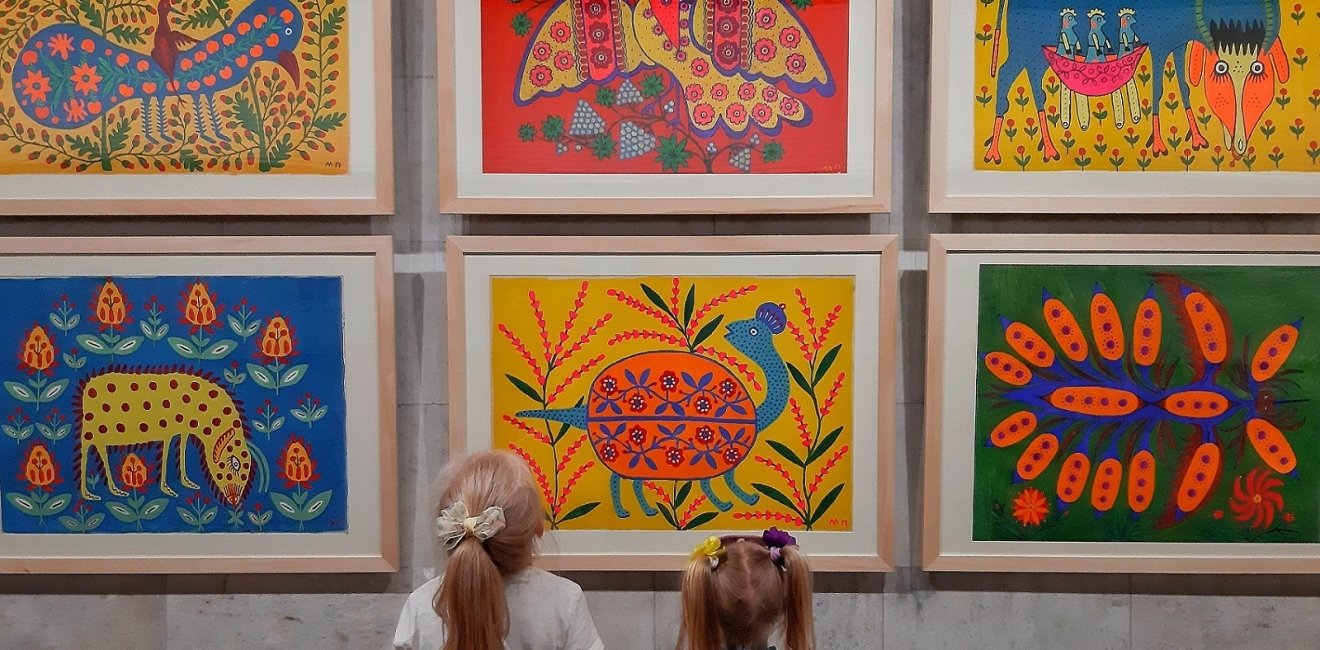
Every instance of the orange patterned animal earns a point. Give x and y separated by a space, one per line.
121 407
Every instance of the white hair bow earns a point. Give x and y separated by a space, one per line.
454 524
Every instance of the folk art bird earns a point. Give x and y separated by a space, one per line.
726 58
68 76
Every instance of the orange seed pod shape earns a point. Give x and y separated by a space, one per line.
1271 445
1146 332
1104 488
1208 324
1198 478
1141 480
1029 345
1106 328
1037 457
1072 477
1008 369
1063 325
1273 351
1013 429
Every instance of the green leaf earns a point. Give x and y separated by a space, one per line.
657 300
276 424
261 376
71 523
235 325
825 363
605 96
321 411
785 452
672 153
187 516
20 392
23 502
121 512
316 505
284 505
209 514
689 304
602 146
801 4
56 321
799 379
92 344
824 446
182 347
524 387
772 151
147 330
74 362
699 520
527 132
94 521
669 517
219 350
333 23
127 345
92 14
707 330
553 127
56 504
579 511
825 504
652 85
154 508
683 493
293 375
54 390
777 496
521 24
329 121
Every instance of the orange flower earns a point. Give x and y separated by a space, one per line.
133 473
277 341
296 464
1259 501
85 78
75 110
62 45
199 307
38 353
1030 507
111 310
35 86
39 470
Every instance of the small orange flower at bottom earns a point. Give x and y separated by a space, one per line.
1030 507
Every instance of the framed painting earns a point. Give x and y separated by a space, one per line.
197 405
645 106
664 390
1122 404
1144 106
129 107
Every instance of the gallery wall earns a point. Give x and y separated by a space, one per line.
905 609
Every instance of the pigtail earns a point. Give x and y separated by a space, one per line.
471 599
700 629
799 633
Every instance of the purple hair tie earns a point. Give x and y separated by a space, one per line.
775 540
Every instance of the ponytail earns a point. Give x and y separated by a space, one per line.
700 628
471 600
799 633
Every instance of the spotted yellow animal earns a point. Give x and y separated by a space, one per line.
122 407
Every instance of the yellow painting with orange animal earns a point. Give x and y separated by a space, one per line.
1173 85
149 86
679 403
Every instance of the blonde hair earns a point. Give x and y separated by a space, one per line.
471 597
740 600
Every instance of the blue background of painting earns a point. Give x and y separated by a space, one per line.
313 307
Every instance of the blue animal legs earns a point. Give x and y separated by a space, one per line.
719 503
737 490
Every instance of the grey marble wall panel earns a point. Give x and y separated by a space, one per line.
42 622
242 621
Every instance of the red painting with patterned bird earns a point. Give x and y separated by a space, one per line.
665 86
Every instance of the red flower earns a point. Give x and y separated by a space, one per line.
673 456
764 49
789 106
277 341
559 31
668 380
1259 500
563 60
39 469
199 308
110 309
747 91
719 92
134 473
790 37
637 403
38 353
705 434
762 113
297 467
736 114
695 92
769 93
1030 507
797 63
703 114
540 76
541 50
700 67
608 385
765 18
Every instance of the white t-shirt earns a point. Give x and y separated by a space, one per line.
546 612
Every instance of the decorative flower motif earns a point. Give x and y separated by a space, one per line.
297 467
111 309
1259 500
35 86
600 57
736 114
789 106
62 45
719 92
705 435
668 380
637 403
608 385
563 60
790 37
637 435
38 353
85 78
732 455
747 91
133 473
765 18
540 76
762 113
703 114
75 110
728 388
796 63
559 31
700 67
1030 507
673 456
702 404
694 92
769 93
199 308
764 50
609 452
277 340
541 50
39 469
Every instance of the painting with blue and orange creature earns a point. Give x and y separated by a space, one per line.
1146 85
662 86
172 404
1146 404
149 86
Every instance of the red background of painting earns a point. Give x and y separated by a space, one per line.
818 147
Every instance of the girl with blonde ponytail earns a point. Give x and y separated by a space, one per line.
490 596
738 588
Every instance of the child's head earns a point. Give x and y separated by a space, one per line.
737 588
489 519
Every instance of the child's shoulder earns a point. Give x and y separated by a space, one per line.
545 583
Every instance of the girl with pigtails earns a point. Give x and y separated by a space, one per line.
738 588
490 596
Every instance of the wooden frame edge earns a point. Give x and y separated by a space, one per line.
930 512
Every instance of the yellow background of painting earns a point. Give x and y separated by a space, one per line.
322 161
510 306
1303 82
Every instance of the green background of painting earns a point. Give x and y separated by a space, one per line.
1256 301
